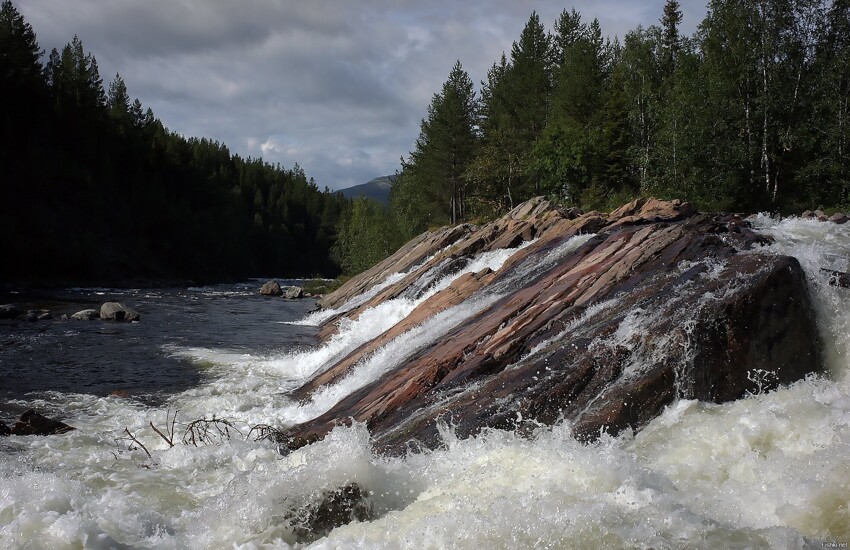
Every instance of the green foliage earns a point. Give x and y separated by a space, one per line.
324 286
367 235
433 186
750 113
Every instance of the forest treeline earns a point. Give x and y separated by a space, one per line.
748 114
96 189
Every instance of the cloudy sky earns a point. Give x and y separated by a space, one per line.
338 86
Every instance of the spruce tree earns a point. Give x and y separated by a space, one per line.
670 21
527 88
445 147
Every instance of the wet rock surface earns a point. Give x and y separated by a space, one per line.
34 423
341 506
660 303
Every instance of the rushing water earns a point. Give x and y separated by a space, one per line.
767 471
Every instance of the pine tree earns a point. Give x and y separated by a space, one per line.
75 79
19 50
445 147
118 102
494 169
567 158
527 88
670 21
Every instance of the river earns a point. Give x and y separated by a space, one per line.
767 471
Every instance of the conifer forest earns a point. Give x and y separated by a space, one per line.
748 114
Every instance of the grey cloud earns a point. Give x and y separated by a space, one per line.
342 85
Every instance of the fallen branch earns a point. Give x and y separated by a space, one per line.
170 437
137 442
208 431
262 432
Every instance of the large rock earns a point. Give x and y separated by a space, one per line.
271 288
659 304
341 506
115 311
86 315
33 423
9 311
294 293
4 429
839 217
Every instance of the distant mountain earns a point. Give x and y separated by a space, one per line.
378 189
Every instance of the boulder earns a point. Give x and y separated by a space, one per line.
315 520
808 214
4 429
819 214
45 316
115 311
86 315
119 393
33 423
294 292
661 303
9 311
271 288
29 316
839 217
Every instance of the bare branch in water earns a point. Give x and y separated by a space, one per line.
170 437
137 442
262 432
207 431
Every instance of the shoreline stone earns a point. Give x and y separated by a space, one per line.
271 288
115 311
86 315
294 293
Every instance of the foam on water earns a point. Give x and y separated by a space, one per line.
320 316
768 471
387 357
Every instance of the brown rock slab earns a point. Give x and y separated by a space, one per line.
659 304
34 423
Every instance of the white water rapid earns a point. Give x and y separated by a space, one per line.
768 471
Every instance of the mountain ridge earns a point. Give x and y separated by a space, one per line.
377 189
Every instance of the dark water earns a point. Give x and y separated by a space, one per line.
99 357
